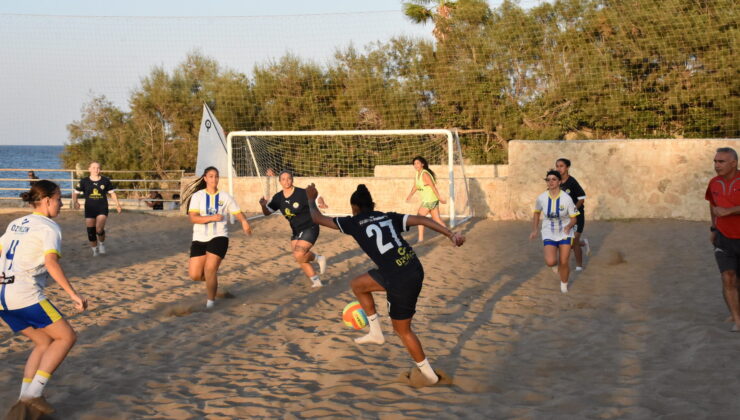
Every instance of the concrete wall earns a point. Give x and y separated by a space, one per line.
622 179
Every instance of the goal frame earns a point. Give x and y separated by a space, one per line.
452 140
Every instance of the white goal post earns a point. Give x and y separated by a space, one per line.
454 161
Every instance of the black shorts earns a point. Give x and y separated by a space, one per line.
580 222
727 253
309 234
217 246
95 208
402 289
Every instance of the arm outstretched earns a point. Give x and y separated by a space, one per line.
316 215
457 238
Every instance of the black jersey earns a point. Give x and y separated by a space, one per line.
574 190
379 235
95 191
294 208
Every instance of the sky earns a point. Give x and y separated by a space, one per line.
55 55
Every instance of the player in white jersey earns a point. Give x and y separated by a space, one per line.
29 254
207 208
559 216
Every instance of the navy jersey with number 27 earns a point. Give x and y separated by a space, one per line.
379 235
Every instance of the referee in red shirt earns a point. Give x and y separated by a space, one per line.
723 194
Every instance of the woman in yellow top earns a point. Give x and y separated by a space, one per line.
425 183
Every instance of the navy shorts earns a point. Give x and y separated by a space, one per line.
38 315
309 235
402 289
727 253
95 208
217 246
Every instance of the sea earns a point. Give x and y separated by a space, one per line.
31 158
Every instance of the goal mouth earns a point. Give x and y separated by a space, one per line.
337 161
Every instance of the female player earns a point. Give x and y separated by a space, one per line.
206 208
292 202
573 188
399 271
557 225
425 183
96 189
29 253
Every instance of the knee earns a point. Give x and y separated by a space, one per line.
300 256
101 232
196 276
91 234
729 279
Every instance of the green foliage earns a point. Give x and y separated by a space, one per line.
566 69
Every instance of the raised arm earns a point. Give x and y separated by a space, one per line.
457 238
316 215
263 203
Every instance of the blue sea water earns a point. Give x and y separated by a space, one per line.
34 158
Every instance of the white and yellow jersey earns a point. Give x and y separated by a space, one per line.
23 248
204 204
556 213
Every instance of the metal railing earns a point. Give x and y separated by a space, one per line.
130 190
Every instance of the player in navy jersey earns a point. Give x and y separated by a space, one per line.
95 188
573 188
399 273
292 203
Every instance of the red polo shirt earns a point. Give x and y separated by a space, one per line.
721 193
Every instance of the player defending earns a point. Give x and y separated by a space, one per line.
96 189
399 271
206 208
29 253
557 225
292 202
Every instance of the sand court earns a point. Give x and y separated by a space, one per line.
641 334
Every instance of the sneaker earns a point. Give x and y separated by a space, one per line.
95 251
554 269
210 304
316 283
101 248
564 287
322 263
586 247
579 268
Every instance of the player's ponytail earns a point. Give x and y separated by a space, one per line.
196 186
425 166
362 199
39 190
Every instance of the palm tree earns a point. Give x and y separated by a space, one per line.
422 11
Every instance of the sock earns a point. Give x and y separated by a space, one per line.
316 280
36 387
426 369
375 336
24 385
210 303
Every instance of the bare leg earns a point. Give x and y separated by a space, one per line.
195 268
577 250
551 255
731 295
564 266
363 286
402 327
62 337
210 270
423 211
303 256
41 342
100 226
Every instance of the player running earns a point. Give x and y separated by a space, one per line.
206 208
29 254
425 183
96 189
399 273
292 203
557 225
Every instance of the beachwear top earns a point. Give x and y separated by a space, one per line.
427 193
95 191
23 248
556 212
721 193
294 208
574 190
379 235
204 204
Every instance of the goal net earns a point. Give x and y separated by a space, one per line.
337 161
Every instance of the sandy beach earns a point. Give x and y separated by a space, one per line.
642 333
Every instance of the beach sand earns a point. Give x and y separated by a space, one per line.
642 333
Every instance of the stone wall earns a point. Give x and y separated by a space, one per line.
622 178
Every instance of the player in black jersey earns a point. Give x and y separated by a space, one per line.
292 203
576 193
399 271
95 188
